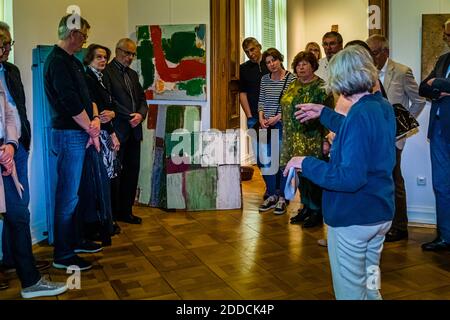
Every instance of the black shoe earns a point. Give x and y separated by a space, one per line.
268 204
130 218
302 215
116 229
437 245
314 220
41 265
396 235
88 247
72 262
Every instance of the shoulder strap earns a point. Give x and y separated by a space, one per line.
282 91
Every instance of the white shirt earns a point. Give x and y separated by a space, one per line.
383 72
323 71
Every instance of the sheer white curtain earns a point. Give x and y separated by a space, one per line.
281 28
253 19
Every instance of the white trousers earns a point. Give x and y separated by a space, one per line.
355 254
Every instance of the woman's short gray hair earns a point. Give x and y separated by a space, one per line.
352 71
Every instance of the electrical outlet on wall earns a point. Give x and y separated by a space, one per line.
421 181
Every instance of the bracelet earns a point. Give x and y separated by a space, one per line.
97 117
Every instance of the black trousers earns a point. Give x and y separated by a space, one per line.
124 187
400 221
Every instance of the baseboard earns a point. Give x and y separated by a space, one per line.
38 231
422 215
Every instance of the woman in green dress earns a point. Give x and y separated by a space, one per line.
305 139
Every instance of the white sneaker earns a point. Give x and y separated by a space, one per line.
44 288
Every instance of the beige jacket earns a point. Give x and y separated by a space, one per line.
401 87
9 132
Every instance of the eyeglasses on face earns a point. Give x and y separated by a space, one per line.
128 53
8 44
84 35
329 44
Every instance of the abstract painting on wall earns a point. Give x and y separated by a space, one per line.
172 61
433 44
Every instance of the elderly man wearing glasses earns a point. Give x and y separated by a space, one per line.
131 108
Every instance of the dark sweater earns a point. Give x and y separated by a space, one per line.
357 182
250 74
66 89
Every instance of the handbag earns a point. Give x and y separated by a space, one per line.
407 125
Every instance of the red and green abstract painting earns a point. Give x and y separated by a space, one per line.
172 61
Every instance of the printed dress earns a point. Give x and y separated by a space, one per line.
303 139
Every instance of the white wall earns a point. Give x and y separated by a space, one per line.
309 20
406 47
296 36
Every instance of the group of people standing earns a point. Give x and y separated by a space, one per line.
97 109
337 129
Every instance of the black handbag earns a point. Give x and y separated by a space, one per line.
407 125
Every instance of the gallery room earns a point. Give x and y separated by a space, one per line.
170 197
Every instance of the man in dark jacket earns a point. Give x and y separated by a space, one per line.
131 110
437 88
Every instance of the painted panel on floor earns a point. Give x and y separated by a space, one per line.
229 194
175 197
201 189
146 172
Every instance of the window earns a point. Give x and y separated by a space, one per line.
266 21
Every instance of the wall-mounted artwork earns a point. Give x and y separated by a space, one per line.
172 61
433 44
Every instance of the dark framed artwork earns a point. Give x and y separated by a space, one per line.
433 44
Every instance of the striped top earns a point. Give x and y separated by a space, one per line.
269 96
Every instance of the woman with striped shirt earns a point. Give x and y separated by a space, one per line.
273 86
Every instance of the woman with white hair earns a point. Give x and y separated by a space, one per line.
358 198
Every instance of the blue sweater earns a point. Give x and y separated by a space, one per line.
357 182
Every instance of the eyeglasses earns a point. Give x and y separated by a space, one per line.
329 44
9 43
128 53
85 35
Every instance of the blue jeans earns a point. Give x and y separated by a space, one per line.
16 237
269 153
440 163
69 147
355 254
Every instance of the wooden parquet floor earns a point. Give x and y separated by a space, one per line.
238 255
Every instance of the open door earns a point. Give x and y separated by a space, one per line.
225 60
